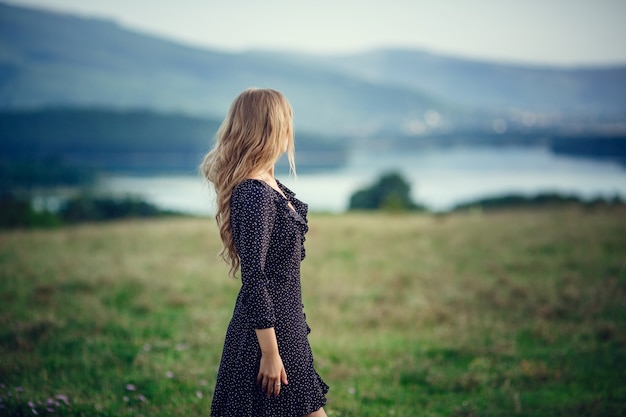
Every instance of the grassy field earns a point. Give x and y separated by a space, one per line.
516 313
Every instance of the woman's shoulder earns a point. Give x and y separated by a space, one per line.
251 191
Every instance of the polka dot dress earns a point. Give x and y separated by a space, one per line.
269 238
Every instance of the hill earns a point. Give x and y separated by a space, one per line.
127 140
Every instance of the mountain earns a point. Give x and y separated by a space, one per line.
51 59
597 92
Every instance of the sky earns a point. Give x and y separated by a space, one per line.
552 32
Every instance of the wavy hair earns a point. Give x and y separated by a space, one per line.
249 141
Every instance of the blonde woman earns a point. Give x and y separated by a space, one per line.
267 363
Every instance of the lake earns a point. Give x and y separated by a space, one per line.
440 178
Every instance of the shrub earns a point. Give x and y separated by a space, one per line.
391 192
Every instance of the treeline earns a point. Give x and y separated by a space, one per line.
541 200
20 212
391 192
59 131
605 146
24 174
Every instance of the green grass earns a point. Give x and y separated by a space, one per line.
511 313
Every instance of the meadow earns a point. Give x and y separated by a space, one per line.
506 313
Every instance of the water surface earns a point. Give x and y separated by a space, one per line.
440 178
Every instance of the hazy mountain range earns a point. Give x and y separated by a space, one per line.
49 60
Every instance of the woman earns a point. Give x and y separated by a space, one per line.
267 364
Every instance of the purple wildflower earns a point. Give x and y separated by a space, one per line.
199 394
131 387
141 398
63 398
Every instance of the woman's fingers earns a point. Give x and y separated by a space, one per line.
271 386
265 387
267 384
272 375
277 387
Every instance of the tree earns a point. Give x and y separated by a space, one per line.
391 192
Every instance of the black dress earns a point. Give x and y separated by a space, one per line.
269 238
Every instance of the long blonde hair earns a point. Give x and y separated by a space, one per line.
249 141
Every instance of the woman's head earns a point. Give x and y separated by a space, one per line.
256 131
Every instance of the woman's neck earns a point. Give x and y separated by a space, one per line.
268 178
267 175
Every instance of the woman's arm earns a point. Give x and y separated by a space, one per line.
253 214
252 219
271 370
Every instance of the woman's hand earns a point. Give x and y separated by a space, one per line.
271 374
271 369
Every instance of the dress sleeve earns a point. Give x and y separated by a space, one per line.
252 219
